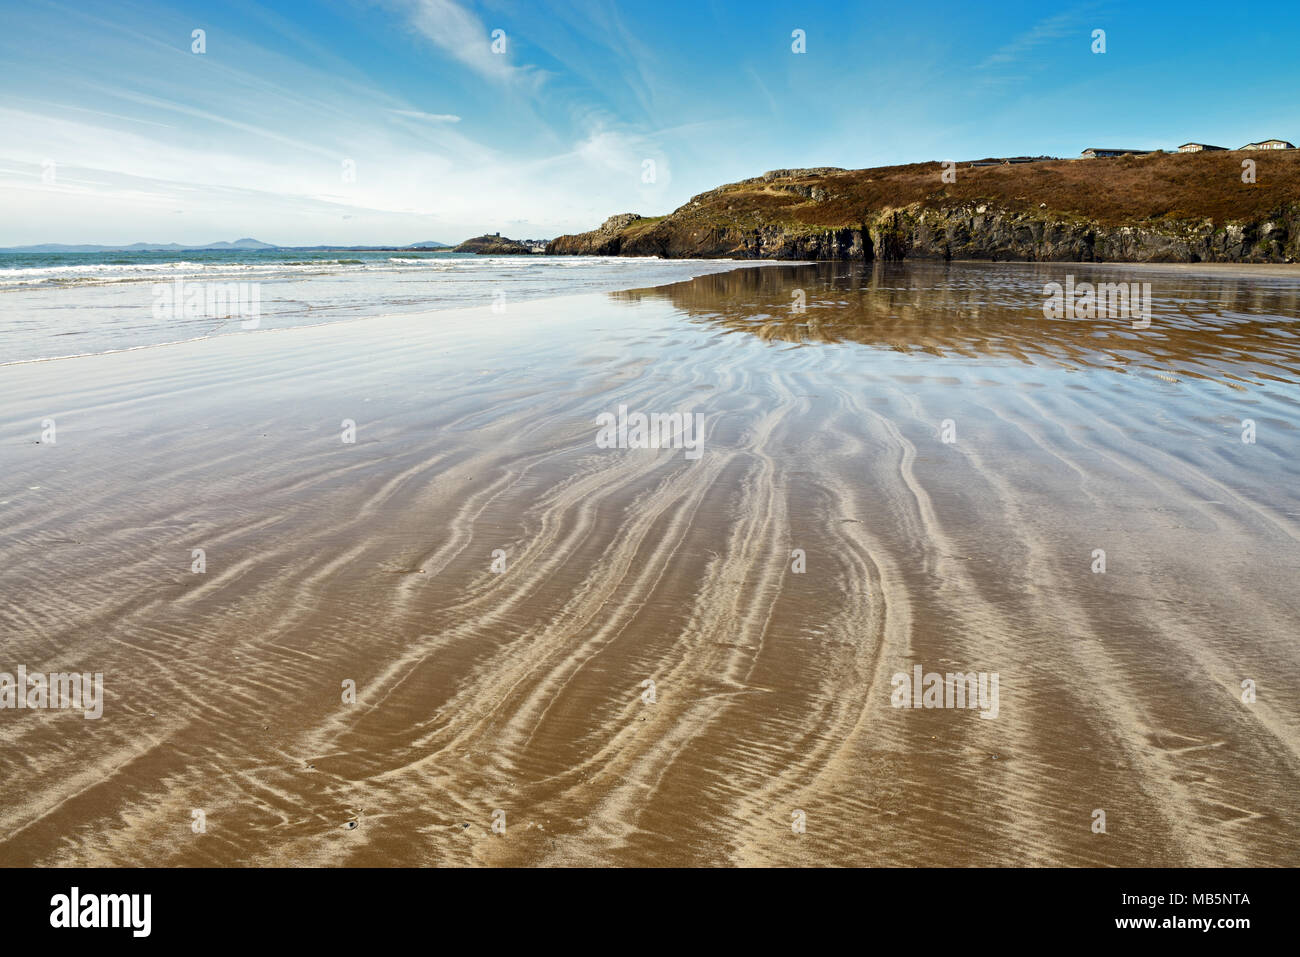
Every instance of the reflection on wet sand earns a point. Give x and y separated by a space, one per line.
1233 328
639 658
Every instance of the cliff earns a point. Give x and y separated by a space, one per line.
1174 207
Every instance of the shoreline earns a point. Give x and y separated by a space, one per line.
447 306
1208 270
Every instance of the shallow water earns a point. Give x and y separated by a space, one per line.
73 304
521 687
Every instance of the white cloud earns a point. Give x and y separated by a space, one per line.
468 40
432 117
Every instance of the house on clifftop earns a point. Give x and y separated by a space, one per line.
1201 148
1095 153
1269 145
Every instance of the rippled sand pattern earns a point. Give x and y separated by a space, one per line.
522 691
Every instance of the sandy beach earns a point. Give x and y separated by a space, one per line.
643 658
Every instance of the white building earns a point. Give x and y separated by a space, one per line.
1269 145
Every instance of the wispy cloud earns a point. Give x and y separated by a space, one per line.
1058 27
467 39
431 117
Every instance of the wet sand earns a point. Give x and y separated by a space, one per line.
522 690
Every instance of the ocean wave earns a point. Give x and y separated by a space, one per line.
165 272
105 273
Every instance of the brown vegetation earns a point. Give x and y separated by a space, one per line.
1169 207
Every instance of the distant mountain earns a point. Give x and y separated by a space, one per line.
429 244
242 244
135 247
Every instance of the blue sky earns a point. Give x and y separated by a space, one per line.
115 131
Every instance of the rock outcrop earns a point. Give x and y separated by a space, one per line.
1164 208
606 240
498 245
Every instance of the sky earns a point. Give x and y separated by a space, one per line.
371 122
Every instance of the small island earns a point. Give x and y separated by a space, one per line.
498 245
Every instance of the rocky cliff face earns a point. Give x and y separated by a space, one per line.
962 233
982 232
1167 210
607 240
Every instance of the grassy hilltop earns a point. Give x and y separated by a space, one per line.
1172 207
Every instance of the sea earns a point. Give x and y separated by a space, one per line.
56 305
